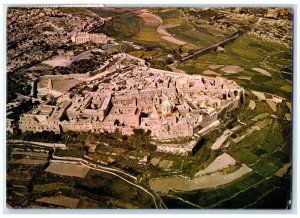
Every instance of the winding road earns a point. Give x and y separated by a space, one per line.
158 202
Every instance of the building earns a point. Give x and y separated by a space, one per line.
131 95
44 118
83 37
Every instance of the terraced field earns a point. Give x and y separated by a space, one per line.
245 162
267 153
67 169
250 52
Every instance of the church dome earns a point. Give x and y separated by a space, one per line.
166 107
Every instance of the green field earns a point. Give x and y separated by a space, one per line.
265 151
250 52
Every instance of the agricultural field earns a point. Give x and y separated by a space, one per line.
264 162
60 201
243 162
267 153
213 180
177 23
249 52
261 145
65 185
67 169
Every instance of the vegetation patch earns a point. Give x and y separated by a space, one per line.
221 162
164 185
54 186
67 169
62 201
287 88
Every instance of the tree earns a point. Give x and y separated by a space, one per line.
117 122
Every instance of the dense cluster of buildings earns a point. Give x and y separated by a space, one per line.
83 37
35 34
270 24
126 95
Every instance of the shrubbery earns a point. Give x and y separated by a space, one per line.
44 136
140 140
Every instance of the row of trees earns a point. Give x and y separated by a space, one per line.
140 140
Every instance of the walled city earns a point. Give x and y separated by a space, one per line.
128 94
